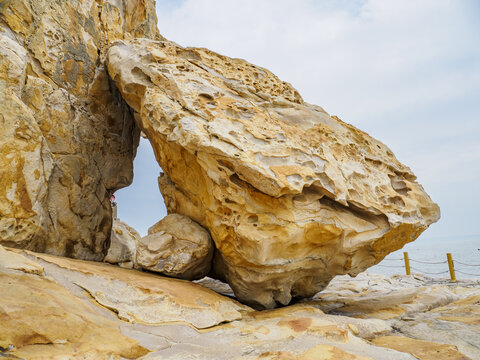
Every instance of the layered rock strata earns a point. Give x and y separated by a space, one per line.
433 319
57 308
67 138
291 195
176 246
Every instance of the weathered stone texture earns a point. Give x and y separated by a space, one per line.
123 244
67 139
431 320
57 308
176 246
291 196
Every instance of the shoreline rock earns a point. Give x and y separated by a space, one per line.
85 309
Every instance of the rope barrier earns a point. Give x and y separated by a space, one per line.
430 273
455 261
461 272
392 260
429 263
449 261
391 266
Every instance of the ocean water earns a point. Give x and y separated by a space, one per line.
423 252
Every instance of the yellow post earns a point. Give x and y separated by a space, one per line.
407 263
451 268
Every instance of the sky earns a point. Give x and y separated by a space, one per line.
407 72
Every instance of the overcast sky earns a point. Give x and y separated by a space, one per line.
406 72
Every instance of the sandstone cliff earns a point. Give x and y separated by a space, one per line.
67 139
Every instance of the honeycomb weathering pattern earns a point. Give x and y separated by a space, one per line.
291 196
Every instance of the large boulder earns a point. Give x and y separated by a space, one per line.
176 246
67 138
291 195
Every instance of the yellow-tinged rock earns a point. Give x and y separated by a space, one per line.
417 307
176 246
422 350
391 304
456 323
67 139
35 311
79 311
123 244
465 311
146 298
319 352
297 332
13 261
328 352
353 329
291 195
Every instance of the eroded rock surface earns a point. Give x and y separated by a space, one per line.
422 350
291 196
123 244
176 246
57 308
293 333
417 307
384 301
67 139
40 319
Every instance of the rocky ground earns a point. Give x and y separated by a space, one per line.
56 308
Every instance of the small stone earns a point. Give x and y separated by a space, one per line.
176 246
158 54
123 243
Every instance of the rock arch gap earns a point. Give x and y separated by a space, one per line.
141 204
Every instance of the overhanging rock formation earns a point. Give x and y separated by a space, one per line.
291 196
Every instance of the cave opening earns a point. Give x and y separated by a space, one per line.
141 204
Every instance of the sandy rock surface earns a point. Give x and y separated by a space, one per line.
422 350
67 138
123 244
43 320
176 246
53 307
416 307
291 195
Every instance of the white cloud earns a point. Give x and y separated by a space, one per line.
359 61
